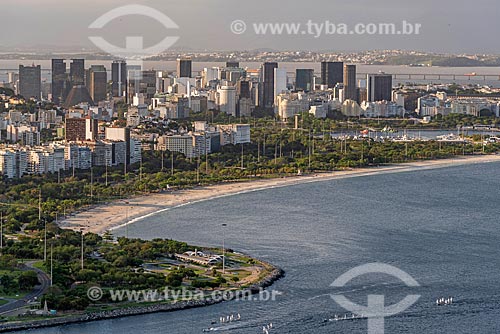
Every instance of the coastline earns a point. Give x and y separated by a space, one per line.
119 213
274 275
151 204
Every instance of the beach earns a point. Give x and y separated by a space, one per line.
119 213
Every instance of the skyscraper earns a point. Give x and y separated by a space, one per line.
243 89
267 77
59 78
350 89
332 73
379 87
280 83
184 68
304 79
148 85
227 99
97 79
30 81
77 72
119 78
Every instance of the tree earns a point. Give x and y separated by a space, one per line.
7 282
27 280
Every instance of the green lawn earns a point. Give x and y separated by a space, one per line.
39 265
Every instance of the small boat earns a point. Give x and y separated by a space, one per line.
346 317
444 301
211 329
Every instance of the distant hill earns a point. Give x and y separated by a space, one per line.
436 60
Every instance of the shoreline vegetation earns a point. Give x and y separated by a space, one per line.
115 214
122 277
273 274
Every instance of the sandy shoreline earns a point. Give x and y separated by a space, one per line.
121 212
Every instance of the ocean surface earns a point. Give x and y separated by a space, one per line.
441 226
432 73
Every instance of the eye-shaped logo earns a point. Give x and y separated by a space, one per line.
375 310
134 45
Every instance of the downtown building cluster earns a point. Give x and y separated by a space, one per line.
337 88
231 89
441 103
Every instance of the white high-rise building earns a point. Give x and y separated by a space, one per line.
210 74
234 134
227 99
8 163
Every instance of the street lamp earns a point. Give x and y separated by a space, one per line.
223 250
45 241
81 230
1 232
126 218
51 264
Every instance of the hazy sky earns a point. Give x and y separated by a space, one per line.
447 25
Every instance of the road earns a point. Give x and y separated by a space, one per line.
37 291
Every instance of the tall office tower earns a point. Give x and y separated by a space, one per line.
332 73
119 78
227 99
280 83
257 92
59 78
350 89
243 89
30 81
267 78
97 79
141 82
148 85
304 79
134 76
77 72
184 68
379 87
232 64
